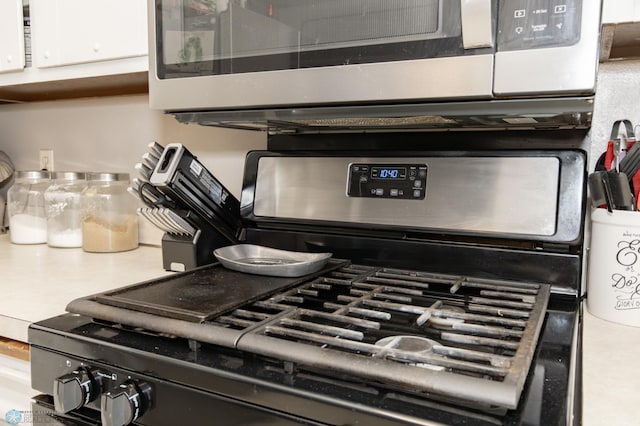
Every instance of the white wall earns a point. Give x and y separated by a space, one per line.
111 134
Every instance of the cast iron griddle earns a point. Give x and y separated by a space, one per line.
201 294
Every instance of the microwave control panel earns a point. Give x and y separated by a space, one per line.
395 181
534 24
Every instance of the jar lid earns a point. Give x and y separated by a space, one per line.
33 174
108 177
68 175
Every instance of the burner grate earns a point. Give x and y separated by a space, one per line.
458 338
454 336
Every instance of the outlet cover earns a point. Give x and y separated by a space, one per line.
46 159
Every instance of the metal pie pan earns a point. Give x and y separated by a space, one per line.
260 260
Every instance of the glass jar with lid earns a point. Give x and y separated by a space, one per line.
63 208
25 207
109 217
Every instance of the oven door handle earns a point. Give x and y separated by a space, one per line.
477 23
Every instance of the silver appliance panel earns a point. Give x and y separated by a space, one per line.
485 195
557 70
448 78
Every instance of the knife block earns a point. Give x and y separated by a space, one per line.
182 253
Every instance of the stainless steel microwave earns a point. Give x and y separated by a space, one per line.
231 61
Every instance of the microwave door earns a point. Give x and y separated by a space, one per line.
267 35
257 54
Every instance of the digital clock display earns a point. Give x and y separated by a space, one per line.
389 173
399 181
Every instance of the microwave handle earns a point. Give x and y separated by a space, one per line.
477 23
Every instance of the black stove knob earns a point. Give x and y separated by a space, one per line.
75 389
125 404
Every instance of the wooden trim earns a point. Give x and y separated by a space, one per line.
15 349
121 84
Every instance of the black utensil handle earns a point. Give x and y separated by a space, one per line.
618 184
631 162
600 193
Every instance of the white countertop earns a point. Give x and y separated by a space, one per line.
37 282
611 373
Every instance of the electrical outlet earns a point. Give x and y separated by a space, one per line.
46 159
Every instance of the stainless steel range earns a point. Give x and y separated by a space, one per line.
453 296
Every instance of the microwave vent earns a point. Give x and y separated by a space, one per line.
377 122
512 114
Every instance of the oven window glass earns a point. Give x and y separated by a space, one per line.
206 37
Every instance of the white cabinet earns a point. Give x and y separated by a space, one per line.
89 45
15 385
66 32
620 29
11 36
615 11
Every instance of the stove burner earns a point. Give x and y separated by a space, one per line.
408 343
395 346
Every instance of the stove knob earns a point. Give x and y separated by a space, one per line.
125 404
75 389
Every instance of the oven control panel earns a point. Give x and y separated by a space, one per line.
402 181
120 398
76 389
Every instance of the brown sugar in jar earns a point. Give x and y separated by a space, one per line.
110 221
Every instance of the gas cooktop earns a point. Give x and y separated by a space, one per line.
402 344
460 337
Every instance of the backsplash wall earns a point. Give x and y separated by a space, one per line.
111 134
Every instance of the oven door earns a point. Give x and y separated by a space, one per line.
308 51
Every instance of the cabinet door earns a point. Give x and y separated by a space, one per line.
66 32
11 36
615 11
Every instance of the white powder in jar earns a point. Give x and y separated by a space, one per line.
66 238
27 229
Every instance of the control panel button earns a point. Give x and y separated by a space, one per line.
538 24
417 193
125 404
75 389
387 180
